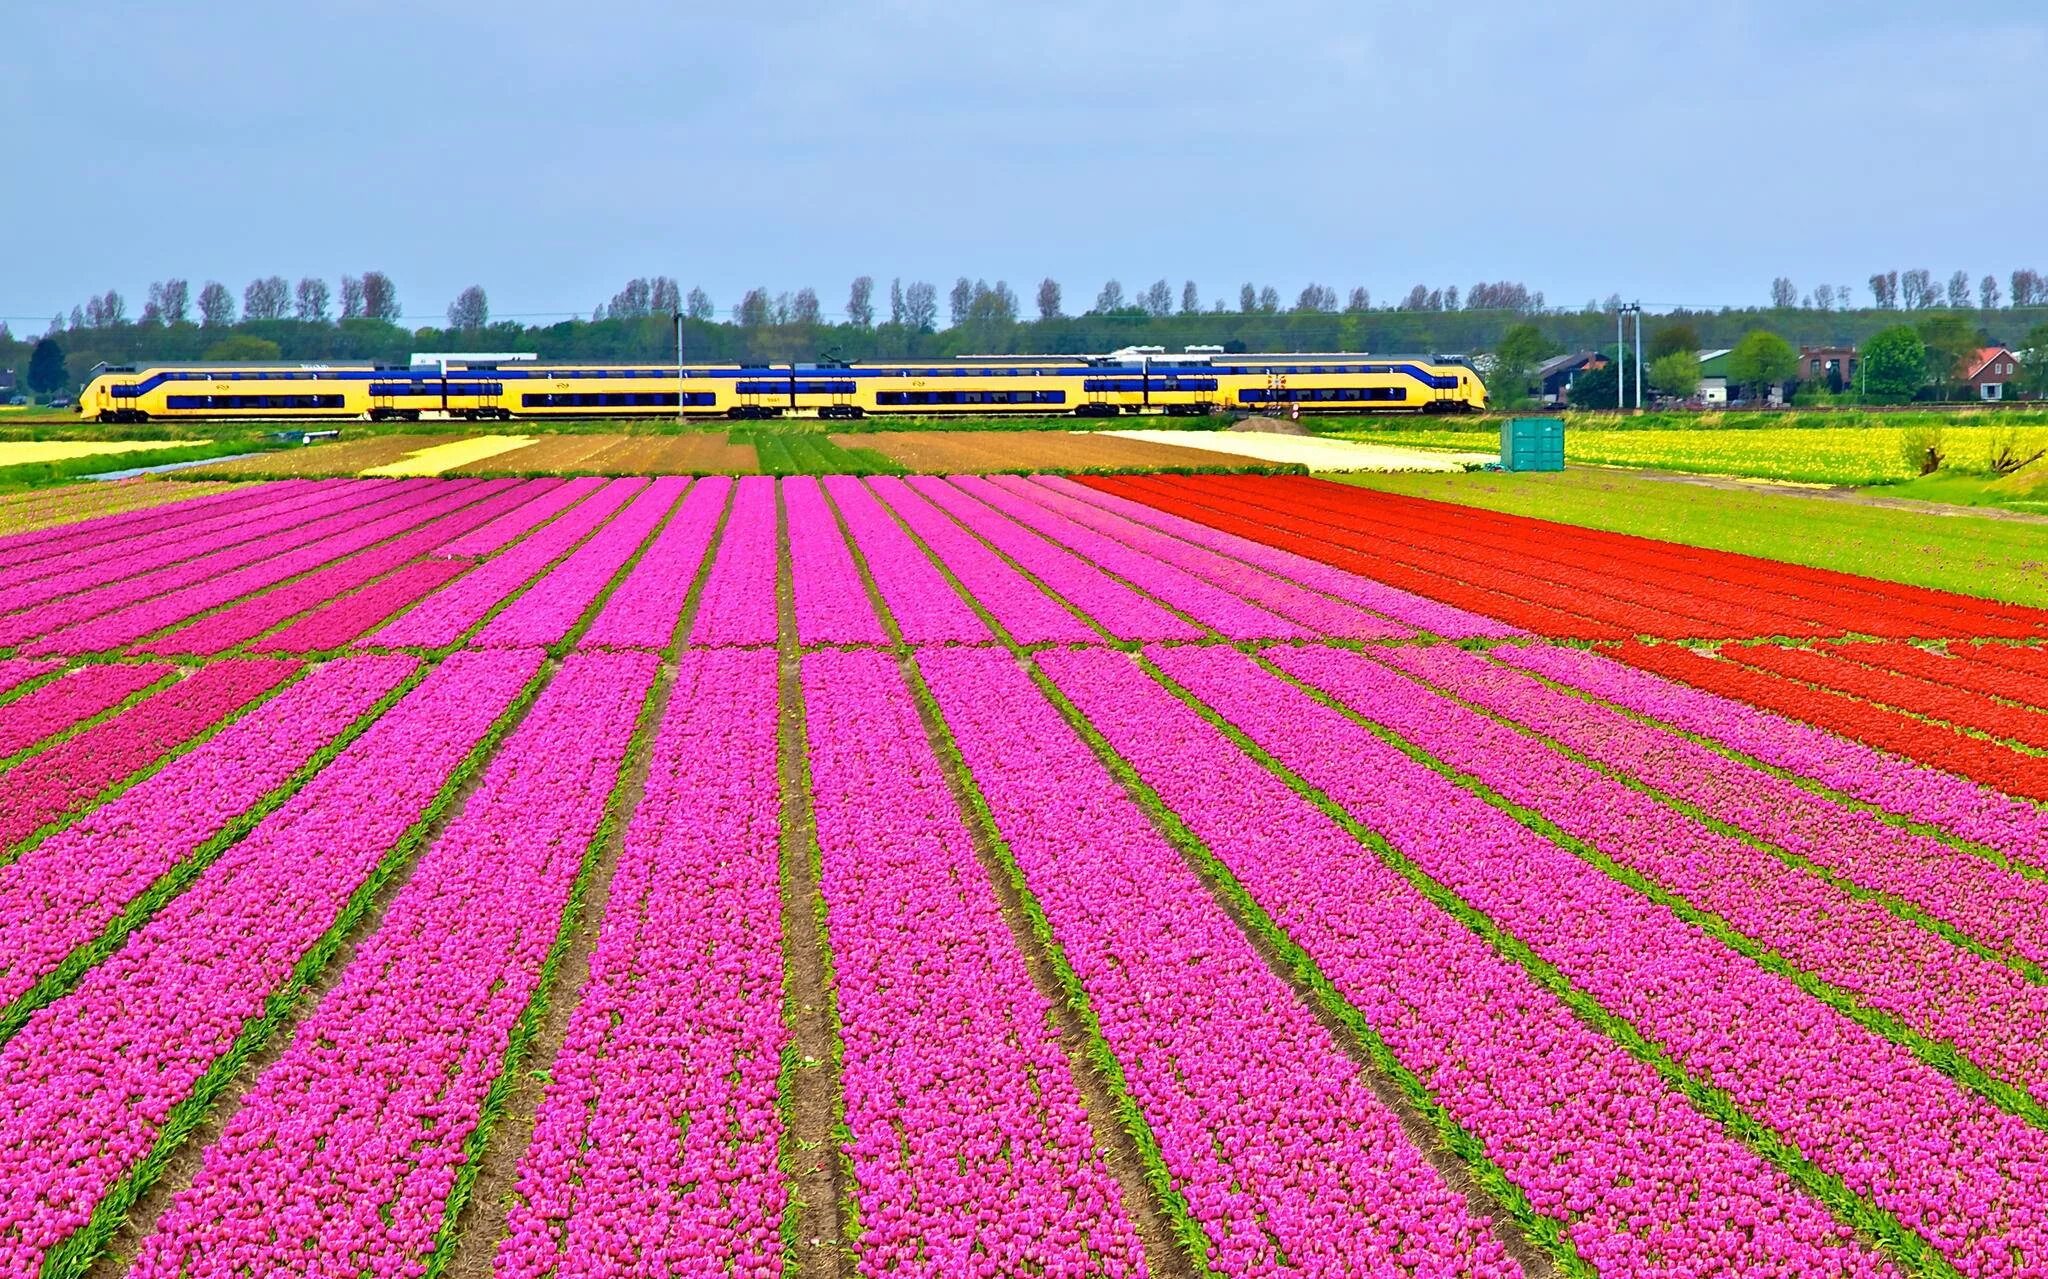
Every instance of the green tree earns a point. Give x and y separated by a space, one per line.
2033 353
46 371
1892 366
1671 338
1950 340
1594 388
1515 358
1676 373
243 347
1760 360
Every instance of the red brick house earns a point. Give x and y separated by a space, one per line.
1987 372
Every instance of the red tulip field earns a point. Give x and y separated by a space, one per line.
990 876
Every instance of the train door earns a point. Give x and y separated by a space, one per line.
489 398
124 400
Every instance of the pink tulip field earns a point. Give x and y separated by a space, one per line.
991 876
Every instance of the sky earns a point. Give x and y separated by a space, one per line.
1674 154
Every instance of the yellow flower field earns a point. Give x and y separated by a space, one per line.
1817 455
22 452
443 457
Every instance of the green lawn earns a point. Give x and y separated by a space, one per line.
1998 558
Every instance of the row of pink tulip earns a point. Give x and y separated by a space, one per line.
1117 608
926 609
832 605
53 782
1286 1159
313 546
973 1156
1989 903
250 617
548 498
35 545
68 572
18 671
1968 1176
448 614
344 1152
90 1081
1404 608
739 604
1633 1176
1964 808
70 700
654 1150
546 611
1318 614
63 893
1027 614
648 606
342 621
1227 612
336 509
1988 1010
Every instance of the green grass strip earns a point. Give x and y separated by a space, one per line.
59 981
72 1258
1891 1236
1939 1054
535 1014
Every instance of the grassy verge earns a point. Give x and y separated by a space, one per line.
1996 559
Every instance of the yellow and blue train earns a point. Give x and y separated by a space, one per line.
1143 380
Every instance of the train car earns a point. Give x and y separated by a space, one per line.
1133 382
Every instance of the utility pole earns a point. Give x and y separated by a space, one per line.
681 397
1631 310
1619 312
1637 308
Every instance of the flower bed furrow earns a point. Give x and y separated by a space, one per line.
654 1149
544 613
1927 986
1992 763
243 621
1958 668
203 514
1027 614
1309 540
648 606
1600 1151
1967 1176
52 783
547 499
72 699
350 1143
1404 607
1320 614
449 613
2027 661
1120 610
970 1145
63 893
738 601
1987 902
1890 781
49 577
315 545
832 605
1227 612
1282 1152
926 609
1956 706
93 1080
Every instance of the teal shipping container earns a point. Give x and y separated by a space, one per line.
1532 444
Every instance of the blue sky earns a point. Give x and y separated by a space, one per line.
549 151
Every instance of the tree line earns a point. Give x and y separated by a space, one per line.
1917 290
912 319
